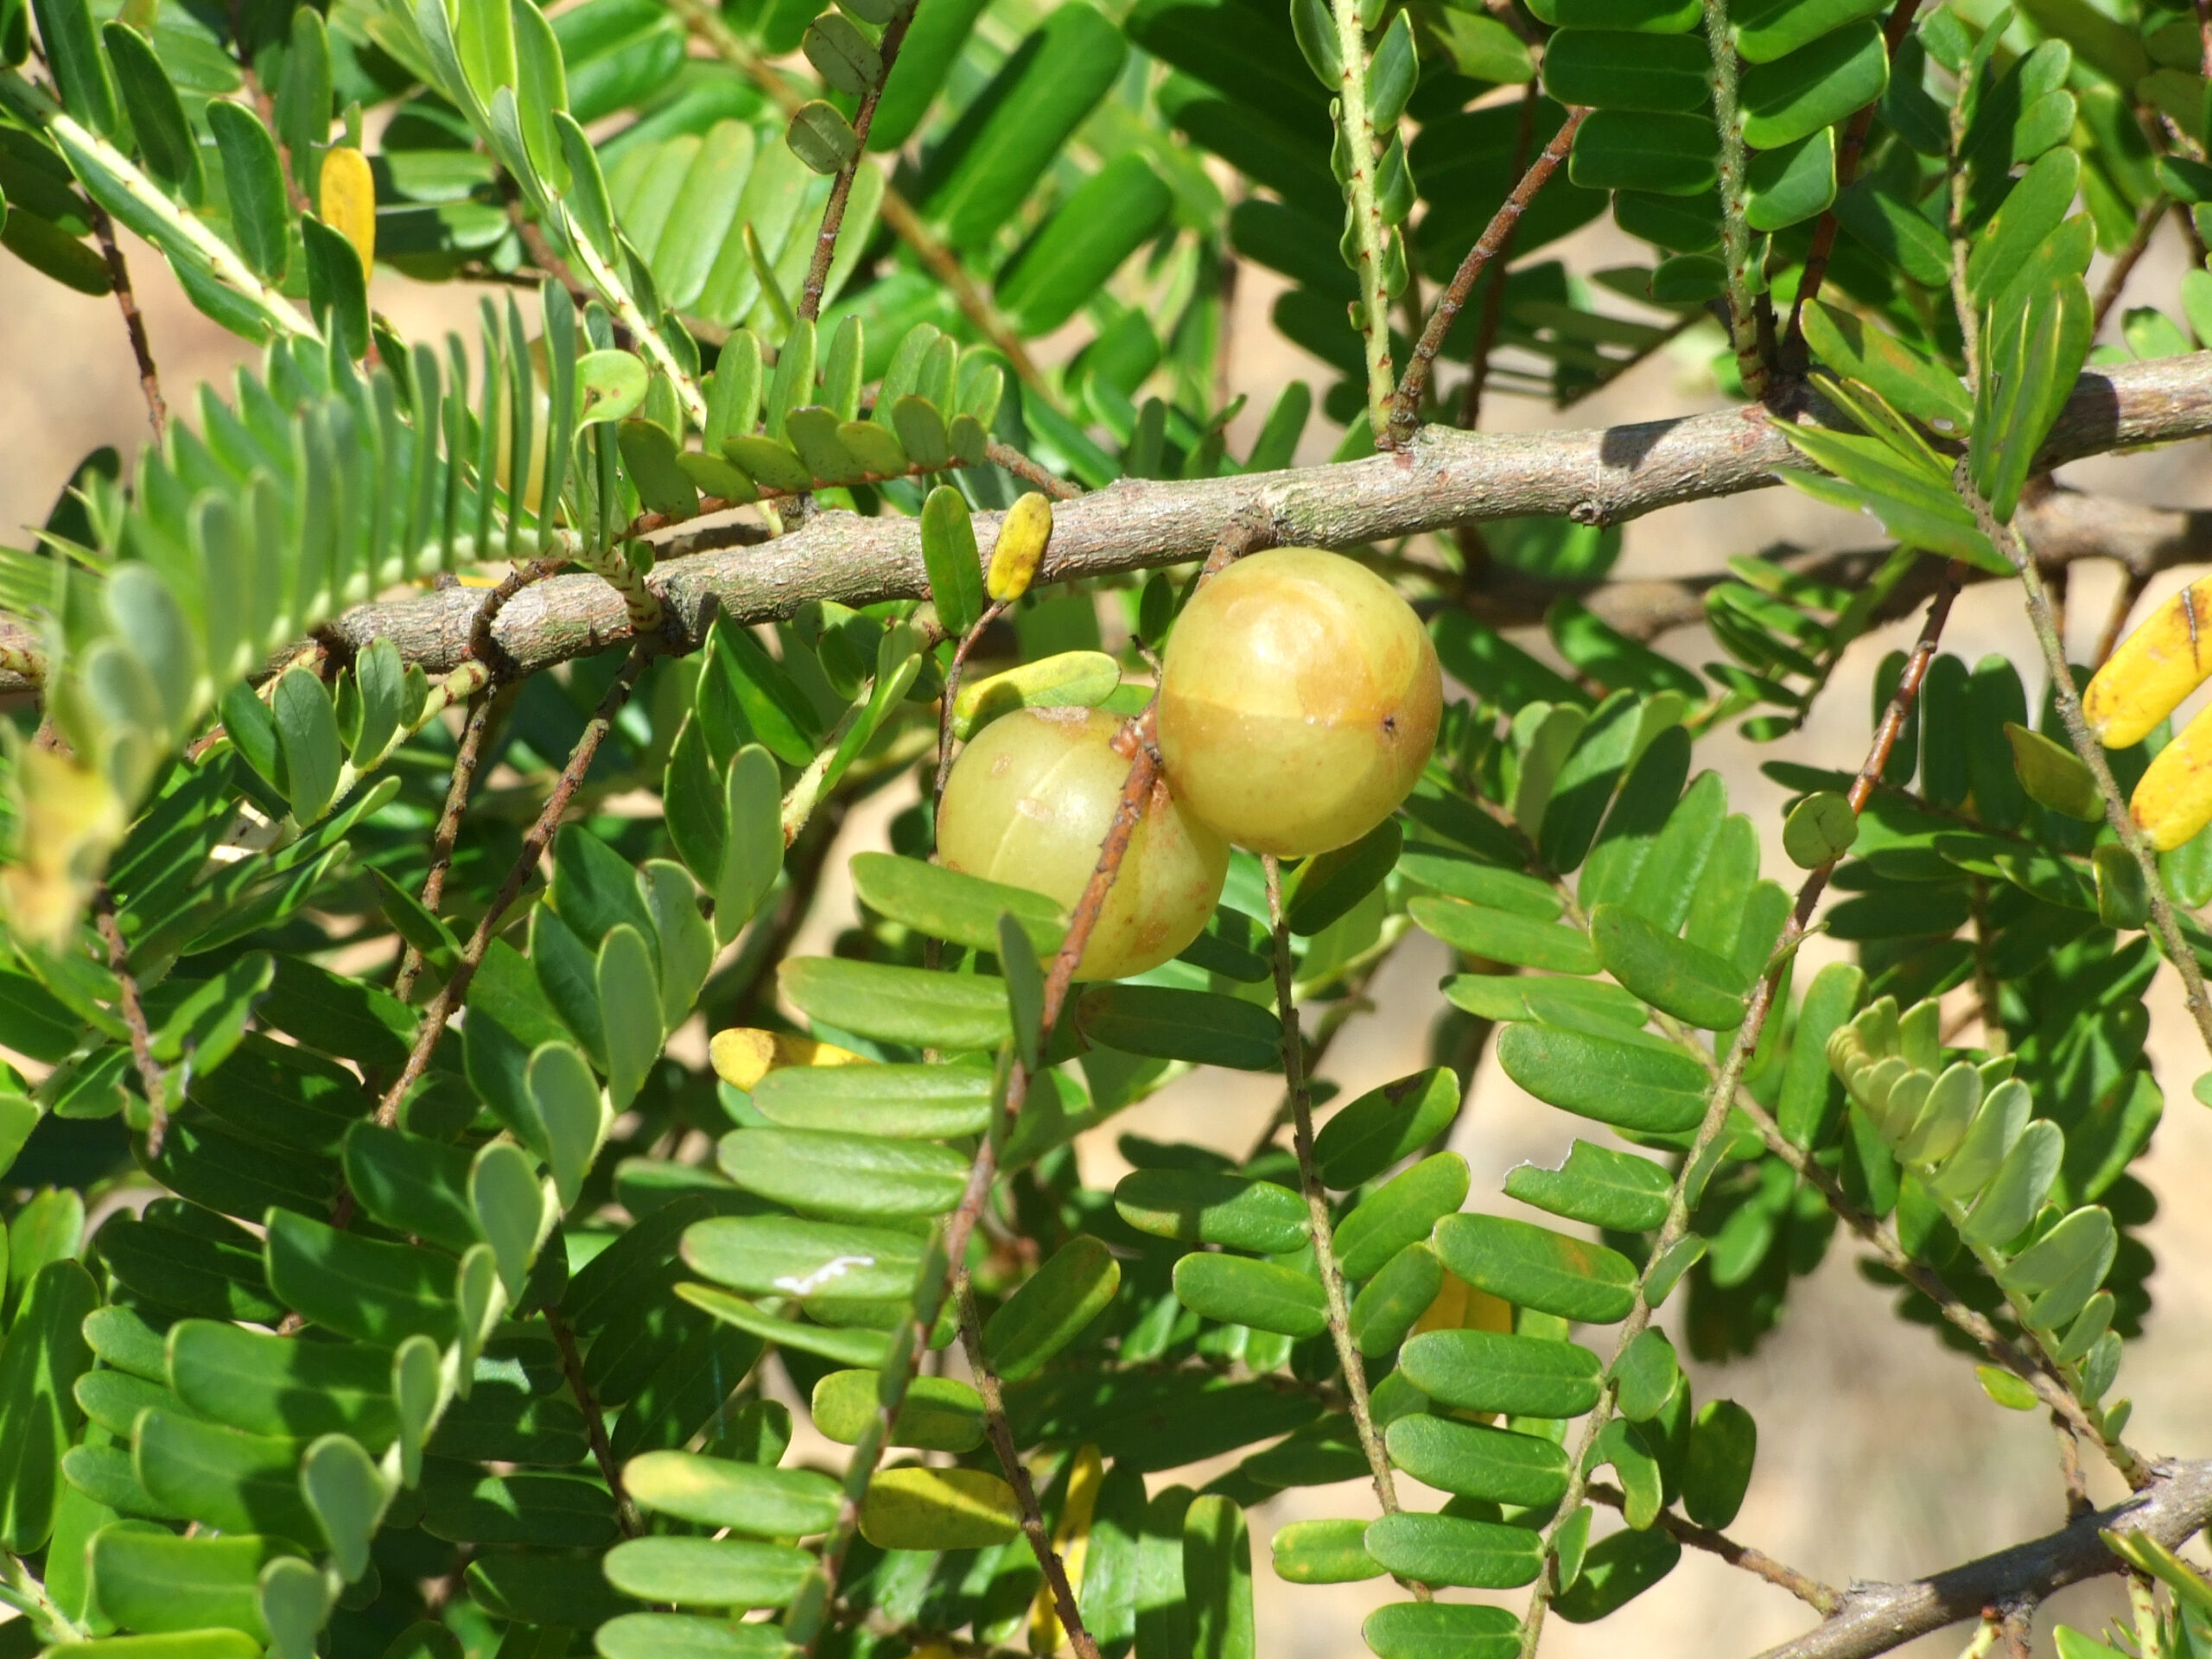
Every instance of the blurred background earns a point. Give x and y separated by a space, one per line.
1879 1456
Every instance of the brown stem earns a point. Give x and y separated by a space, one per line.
1846 169
2123 605
1471 400
1317 1211
534 843
572 1367
2123 266
151 1076
952 675
1001 1433
841 187
448 830
1006 455
134 320
1821 1597
1405 406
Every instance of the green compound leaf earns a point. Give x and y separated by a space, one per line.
1534 1267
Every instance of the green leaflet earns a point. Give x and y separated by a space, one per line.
158 1583
545 1586
1217 1579
952 906
1327 887
1051 1309
760 1502
2009 1203
675 1635
1717 1470
1599 1185
1534 1267
1457 875
1324 1552
940 1414
1503 936
1398 1294
902 1102
1400 1213
1383 1125
899 1005
939 1509
860 1177
222 1476
272 1385
1444 1549
1489 1372
1672 974
867 1348
778 1256
1442 1630
46 1353
1616 1570
1205 1207
1262 1294
1202 1026
1628 1084
543 1510
1475 1461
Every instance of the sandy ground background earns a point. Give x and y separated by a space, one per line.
1880 1457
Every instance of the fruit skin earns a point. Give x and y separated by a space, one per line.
1028 803
2173 800
2165 658
1298 701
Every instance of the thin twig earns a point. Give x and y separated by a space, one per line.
465 758
1696 1164
1006 455
534 843
1405 405
2123 265
1317 1211
1735 230
1470 400
572 1367
841 187
1001 1433
1821 1597
2123 605
2092 754
953 671
151 1076
134 320
1846 169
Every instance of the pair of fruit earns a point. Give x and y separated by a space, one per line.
1298 701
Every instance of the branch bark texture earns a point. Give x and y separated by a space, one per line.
1876 1617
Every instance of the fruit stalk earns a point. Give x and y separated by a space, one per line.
1317 1209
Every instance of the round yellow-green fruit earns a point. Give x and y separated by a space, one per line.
1298 701
1028 803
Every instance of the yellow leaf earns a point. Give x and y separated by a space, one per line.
743 1054
349 201
1023 534
1071 1539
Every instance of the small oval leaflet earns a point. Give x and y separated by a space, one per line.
1262 1294
1052 1308
781 1255
1444 1549
1491 1371
1400 1213
1534 1267
708 1572
1628 1084
1209 1207
824 1172
1820 829
1383 1125
748 1497
918 1103
940 1414
1324 1552
939 1509
1475 1461
1442 1630
1672 974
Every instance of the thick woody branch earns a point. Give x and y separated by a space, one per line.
1876 1617
1441 479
